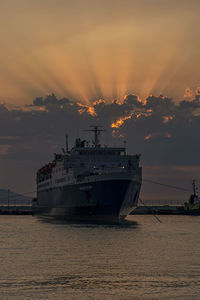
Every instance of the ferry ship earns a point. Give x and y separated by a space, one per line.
90 182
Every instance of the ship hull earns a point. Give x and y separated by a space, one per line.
106 200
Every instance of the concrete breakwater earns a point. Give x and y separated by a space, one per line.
159 210
140 210
15 210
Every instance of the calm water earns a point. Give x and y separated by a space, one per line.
144 259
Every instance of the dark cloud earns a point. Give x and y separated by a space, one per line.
163 131
50 100
132 100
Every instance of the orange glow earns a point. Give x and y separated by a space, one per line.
86 108
188 93
138 115
148 137
91 111
168 135
98 102
117 102
166 119
120 122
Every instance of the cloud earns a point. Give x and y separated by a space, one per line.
164 132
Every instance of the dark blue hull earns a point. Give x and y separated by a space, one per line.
108 200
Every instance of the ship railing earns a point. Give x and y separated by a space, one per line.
82 177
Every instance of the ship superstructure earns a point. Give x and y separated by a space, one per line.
89 182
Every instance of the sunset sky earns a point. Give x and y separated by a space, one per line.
89 53
91 49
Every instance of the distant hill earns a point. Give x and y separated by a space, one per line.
14 198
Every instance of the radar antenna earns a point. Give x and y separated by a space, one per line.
96 129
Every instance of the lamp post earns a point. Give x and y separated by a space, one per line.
8 199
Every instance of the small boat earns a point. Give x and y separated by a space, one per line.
192 207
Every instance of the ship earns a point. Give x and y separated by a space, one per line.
89 182
192 207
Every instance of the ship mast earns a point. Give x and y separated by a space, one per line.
194 187
66 143
96 129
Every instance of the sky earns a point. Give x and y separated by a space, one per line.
132 66
98 49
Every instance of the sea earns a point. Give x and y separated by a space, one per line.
145 257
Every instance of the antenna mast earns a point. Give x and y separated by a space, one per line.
194 187
97 131
66 142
